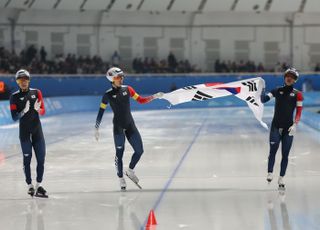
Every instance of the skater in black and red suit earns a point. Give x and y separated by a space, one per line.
287 100
27 105
118 96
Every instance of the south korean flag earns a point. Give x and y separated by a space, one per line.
248 90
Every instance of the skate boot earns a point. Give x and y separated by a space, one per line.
132 176
269 177
130 173
123 184
31 190
281 183
41 192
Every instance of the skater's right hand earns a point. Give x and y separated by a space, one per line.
158 95
96 134
26 108
292 129
37 106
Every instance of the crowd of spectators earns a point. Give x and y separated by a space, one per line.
37 62
236 67
169 65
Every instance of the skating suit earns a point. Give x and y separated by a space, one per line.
30 130
123 123
287 100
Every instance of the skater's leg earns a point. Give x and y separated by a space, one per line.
26 147
39 147
286 147
119 141
135 141
274 139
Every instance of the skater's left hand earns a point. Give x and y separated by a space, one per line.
37 105
158 95
292 129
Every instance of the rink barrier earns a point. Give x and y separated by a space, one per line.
77 85
311 119
61 105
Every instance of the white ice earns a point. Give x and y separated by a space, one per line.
202 169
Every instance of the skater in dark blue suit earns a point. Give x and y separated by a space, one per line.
123 124
26 105
283 125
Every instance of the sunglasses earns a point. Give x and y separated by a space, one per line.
22 79
118 77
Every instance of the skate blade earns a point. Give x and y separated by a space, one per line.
41 196
123 189
281 188
134 182
31 193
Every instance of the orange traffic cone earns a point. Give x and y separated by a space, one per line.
151 219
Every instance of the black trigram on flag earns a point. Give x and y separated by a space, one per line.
251 84
252 100
200 96
189 87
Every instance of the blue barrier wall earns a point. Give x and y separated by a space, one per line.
144 84
312 119
59 105
55 86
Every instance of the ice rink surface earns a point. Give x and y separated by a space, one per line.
202 169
